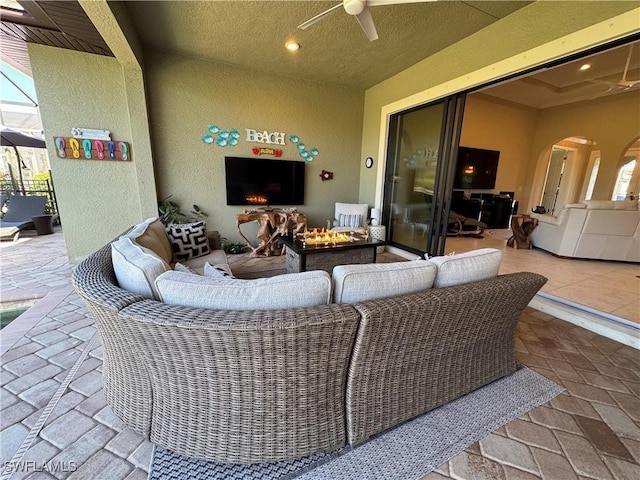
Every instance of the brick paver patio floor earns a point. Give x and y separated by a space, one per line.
53 407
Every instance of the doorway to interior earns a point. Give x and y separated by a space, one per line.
558 161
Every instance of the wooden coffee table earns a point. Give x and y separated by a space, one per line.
302 258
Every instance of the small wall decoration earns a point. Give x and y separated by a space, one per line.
92 149
325 175
267 151
308 155
221 138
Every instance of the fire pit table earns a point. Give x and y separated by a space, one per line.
323 250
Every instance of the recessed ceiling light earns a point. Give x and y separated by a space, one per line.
585 66
292 46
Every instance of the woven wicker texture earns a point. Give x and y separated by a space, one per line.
227 386
416 352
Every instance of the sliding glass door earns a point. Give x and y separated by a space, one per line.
421 152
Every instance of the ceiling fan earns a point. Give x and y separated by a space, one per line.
360 10
623 84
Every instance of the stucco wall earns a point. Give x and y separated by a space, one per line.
188 94
531 36
97 199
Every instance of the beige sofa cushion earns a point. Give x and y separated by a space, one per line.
214 257
467 267
611 205
306 289
154 237
137 267
357 283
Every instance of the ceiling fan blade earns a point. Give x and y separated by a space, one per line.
375 3
319 17
366 22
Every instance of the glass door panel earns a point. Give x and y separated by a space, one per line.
422 144
414 165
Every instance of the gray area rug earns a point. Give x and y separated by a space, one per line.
406 452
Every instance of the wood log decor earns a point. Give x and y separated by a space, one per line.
272 224
521 226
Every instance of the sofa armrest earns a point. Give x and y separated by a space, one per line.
446 342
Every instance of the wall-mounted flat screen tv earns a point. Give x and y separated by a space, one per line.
260 181
476 168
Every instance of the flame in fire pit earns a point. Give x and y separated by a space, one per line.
322 236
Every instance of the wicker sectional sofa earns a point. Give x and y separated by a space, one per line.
247 386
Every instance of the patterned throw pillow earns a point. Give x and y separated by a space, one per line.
188 240
353 221
220 271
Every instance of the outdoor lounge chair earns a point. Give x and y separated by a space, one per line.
459 225
20 211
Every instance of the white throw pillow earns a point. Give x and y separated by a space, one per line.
136 267
357 283
220 271
467 267
292 290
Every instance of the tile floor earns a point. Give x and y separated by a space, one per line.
592 431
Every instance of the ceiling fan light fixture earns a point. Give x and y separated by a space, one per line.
354 7
292 46
585 66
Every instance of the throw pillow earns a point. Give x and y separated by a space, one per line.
467 267
357 283
290 290
221 270
178 267
353 221
188 240
136 267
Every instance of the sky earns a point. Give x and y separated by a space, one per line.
9 93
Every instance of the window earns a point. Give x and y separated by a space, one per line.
623 180
592 178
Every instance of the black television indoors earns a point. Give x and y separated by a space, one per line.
476 169
261 181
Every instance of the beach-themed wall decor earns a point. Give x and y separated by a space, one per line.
92 149
220 137
308 155
276 152
224 138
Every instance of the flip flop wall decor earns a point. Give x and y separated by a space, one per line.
81 149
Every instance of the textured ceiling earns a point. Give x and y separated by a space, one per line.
567 84
334 50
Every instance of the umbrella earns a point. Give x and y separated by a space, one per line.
14 138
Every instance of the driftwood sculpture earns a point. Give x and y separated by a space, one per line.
272 224
521 227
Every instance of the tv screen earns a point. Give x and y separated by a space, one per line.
476 169
259 181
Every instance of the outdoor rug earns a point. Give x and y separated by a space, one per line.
408 451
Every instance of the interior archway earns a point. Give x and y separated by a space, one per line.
627 181
565 170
